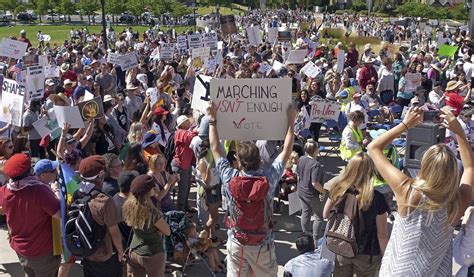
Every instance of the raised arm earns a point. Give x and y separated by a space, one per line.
290 135
467 179
390 173
216 148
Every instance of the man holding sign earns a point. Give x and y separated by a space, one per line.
250 247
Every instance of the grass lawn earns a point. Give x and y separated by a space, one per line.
59 33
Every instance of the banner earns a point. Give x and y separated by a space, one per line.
311 70
296 56
69 114
228 25
413 81
13 48
51 71
167 51
210 40
200 57
34 82
253 34
201 94
195 41
322 110
91 108
128 61
251 109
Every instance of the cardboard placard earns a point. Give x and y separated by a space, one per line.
413 81
13 48
228 25
296 56
69 114
201 95
34 82
252 109
91 109
311 70
195 41
322 110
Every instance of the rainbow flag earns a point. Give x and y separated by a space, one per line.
69 181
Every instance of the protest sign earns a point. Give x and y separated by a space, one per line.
34 82
252 109
51 71
340 61
128 61
296 56
167 51
210 40
228 24
413 81
182 44
69 114
253 34
447 50
13 48
91 109
201 94
200 57
195 41
113 58
311 70
272 35
322 110
284 36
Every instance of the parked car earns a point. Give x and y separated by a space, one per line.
126 18
24 16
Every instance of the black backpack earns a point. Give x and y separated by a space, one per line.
83 234
170 150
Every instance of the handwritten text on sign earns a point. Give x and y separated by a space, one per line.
250 109
322 110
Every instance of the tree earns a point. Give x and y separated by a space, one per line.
88 7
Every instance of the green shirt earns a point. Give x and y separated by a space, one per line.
148 241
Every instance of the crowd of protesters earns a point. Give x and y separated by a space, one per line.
151 144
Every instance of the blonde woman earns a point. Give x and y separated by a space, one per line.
146 256
428 204
358 176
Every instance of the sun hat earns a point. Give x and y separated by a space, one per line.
45 165
181 119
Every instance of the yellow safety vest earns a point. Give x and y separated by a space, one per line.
347 154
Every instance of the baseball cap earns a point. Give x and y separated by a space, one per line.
45 165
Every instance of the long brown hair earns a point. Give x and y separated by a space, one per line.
359 174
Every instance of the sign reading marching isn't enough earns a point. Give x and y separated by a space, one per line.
251 109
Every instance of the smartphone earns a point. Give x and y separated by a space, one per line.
431 116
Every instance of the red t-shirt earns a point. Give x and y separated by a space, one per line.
29 212
183 153
455 101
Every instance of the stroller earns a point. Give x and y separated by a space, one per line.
177 244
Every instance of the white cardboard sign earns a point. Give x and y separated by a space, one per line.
252 109
13 48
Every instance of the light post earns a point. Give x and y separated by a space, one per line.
104 24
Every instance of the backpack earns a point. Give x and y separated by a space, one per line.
83 234
344 226
250 214
169 152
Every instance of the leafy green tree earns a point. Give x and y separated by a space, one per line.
88 7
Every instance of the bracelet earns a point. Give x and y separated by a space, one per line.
405 125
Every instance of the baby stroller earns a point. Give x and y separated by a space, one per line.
177 244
